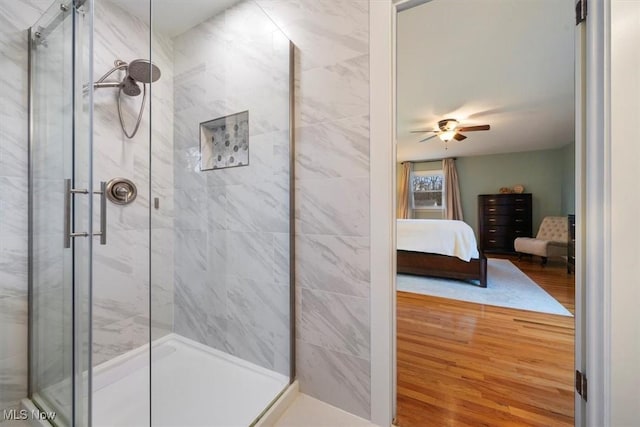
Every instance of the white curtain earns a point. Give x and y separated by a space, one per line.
404 190
453 205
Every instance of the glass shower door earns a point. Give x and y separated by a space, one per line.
59 216
221 225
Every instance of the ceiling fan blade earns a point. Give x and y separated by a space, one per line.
421 131
473 128
428 138
459 137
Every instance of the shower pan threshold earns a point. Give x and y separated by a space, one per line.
191 385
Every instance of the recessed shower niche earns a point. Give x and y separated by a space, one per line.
224 142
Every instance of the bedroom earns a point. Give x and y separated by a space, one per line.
518 78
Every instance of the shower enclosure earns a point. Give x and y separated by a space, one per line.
160 212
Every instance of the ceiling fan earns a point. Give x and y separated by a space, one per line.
449 129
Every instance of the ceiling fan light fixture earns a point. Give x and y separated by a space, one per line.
449 129
447 136
450 124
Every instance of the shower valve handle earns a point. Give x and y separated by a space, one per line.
121 191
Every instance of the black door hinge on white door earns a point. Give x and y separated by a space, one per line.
581 384
581 11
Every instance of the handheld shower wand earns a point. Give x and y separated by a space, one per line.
138 71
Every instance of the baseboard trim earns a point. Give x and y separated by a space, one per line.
280 406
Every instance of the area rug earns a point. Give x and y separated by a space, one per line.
507 286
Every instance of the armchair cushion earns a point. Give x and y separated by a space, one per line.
543 248
551 239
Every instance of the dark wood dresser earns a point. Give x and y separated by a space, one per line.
502 218
571 245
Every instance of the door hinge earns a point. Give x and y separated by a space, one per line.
581 384
581 11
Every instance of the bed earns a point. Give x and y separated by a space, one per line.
440 248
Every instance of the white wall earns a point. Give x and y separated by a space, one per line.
625 211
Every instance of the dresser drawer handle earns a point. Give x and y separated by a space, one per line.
519 200
519 220
492 220
518 231
519 210
492 210
492 200
492 231
492 241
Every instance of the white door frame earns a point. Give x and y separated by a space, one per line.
382 158
580 210
596 246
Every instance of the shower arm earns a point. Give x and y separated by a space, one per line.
100 83
103 85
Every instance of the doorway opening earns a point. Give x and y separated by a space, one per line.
486 195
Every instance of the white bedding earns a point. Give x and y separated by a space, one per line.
437 236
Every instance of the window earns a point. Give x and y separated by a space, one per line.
427 190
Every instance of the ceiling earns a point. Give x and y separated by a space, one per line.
173 17
507 63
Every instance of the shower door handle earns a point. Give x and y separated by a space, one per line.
103 213
67 213
68 199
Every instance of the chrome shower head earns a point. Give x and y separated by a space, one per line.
130 87
143 71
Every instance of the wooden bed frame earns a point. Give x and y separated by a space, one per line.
449 267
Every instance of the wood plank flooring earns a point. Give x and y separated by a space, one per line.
466 364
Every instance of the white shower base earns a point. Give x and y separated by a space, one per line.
191 385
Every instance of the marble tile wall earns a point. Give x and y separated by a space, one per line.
231 239
121 268
15 18
332 189
332 196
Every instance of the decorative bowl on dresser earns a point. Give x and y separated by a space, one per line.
502 218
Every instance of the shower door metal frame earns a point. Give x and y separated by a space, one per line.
30 36
67 7
292 214
292 237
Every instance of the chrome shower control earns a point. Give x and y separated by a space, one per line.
121 191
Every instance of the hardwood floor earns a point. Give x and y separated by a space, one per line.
466 364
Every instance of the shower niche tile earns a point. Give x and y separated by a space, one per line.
224 142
